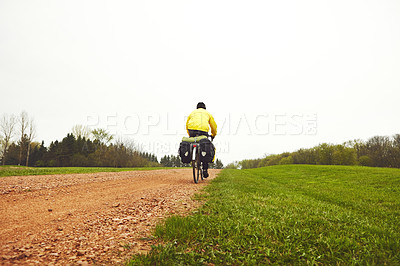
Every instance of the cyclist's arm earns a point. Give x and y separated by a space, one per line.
213 126
187 125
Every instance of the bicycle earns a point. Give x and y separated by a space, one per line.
196 163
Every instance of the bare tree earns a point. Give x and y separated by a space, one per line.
23 123
30 136
7 125
1 148
81 131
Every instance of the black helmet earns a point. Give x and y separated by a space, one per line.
201 105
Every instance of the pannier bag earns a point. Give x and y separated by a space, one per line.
184 152
207 151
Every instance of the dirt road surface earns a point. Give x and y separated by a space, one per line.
99 218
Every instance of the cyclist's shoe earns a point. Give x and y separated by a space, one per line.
205 173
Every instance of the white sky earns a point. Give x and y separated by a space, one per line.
276 75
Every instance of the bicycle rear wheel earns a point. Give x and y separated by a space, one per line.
199 169
196 165
195 172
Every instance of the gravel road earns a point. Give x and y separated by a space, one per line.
99 218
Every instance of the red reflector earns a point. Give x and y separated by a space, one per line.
194 146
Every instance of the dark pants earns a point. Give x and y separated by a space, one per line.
195 133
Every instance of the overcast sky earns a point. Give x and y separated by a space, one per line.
276 75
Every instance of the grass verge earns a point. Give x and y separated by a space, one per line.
22 170
292 214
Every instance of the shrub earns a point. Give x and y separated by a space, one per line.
286 160
365 160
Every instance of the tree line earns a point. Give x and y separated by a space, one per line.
82 147
378 151
175 161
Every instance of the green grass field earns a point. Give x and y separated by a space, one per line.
22 170
293 214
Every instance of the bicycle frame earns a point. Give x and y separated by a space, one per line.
194 147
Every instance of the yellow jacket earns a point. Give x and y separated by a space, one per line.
199 119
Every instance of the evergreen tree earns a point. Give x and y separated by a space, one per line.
164 161
67 150
218 164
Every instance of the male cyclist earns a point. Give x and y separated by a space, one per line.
198 123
